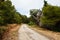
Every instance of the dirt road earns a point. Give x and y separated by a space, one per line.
26 33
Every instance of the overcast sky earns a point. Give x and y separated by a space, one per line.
23 6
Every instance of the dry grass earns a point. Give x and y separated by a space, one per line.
11 32
50 34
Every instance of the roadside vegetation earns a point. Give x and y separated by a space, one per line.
48 17
9 15
51 17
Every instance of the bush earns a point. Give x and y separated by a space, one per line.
51 17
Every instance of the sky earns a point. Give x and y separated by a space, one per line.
24 6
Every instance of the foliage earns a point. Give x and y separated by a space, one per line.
8 13
17 18
51 16
45 3
31 21
25 19
35 16
34 12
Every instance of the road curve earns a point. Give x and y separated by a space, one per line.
26 33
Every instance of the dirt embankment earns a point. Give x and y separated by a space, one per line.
11 33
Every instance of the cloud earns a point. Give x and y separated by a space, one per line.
23 6
54 2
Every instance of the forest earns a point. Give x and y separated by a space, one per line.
48 17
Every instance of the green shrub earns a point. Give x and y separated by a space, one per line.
51 17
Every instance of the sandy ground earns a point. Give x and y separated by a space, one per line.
11 33
51 34
26 33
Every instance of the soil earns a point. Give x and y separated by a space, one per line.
11 33
48 33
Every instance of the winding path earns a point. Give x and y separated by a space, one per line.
26 33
